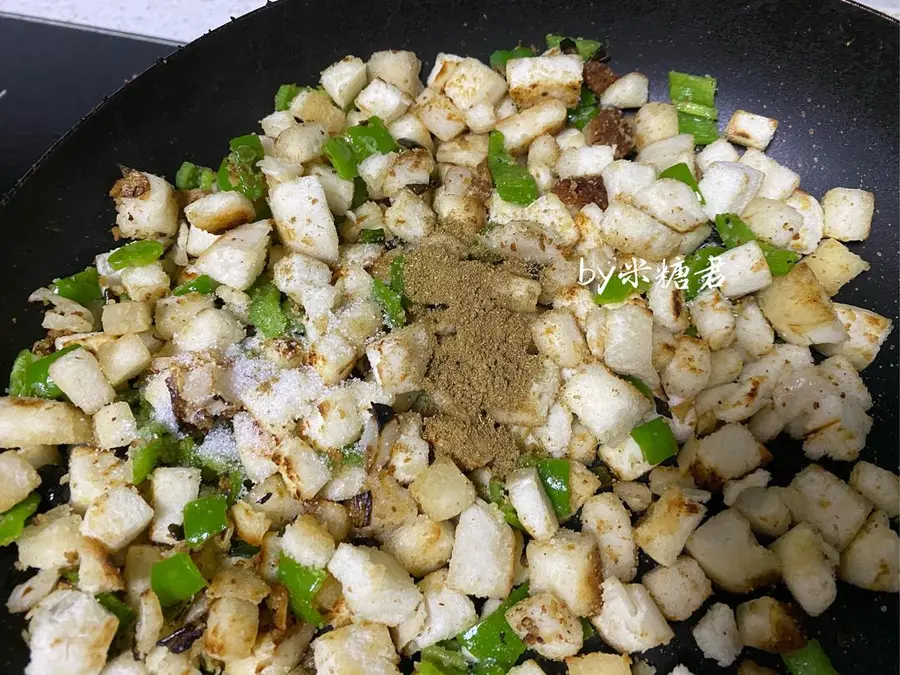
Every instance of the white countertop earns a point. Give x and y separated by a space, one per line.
179 20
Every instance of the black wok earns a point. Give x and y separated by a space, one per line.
828 70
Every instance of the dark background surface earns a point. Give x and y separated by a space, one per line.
827 70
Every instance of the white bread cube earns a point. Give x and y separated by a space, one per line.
410 127
79 376
199 240
176 311
680 589
733 488
820 498
91 473
779 183
375 585
870 561
629 621
841 373
303 219
688 371
813 220
729 187
231 629
303 469
483 553
25 422
729 554
442 490
586 161
532 505
673 203
315 105
70 631
374 170
40 455
667 304
123 358
879 486
669 152
750 130
172 489
335 422
239 256
28 594
51 540
150 214
589 664
466 150
725 365
410 168
19 479
717 635
719 150
867 331
637 496
439 114
356 649
654 121
146 282
299 143
399 68
210 329
752 331
713 315
604 516
773 221
842 440
765 510
633 232
629 91
481 117
473 82
628 343
848 213
126 317
545 622
567 565
835 265
399 359
116 518
765 623
249 525
744 270
608 406
382 100
557 336
443 614
532 80
625 459
520 129
547 214
624 179
308 542
338 191
220 211
807 566
344 80
667 525
729 453
421 546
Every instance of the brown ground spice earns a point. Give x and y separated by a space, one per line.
483 357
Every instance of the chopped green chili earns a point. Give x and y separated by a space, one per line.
682 172
83 287
585 111
810 660
703 130
265 309
238 171
370 137
555 475
285 95
294 315
202 284
136 254
207 179
500 57
302 584
18 374
144 458
391 303
360 193
353 455
513 182
12 521
118 608
584 46
204 518
587 630
697 110
734 232
492 641
188 176
397 267
696 263
497 495
371 236
445 658
241 549
656 440
175 579
695 99
340 154
37 381
619 290
693 88
691 331
639 385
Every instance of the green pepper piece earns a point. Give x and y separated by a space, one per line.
584 46
302 584
639 385
447 657
238 171
144 458
431 668
360 193
703 130
37 376
241 549
682 172
265 309
117 608
696 262
371 236
188 176
619 290
204 518
734 232
207 178
693 88
497 495
500 57
555 475
391 303
136 254
513 182
697 110
285 94
781 261
370 137
353 455
585 111
18 374
809 660
340 153
397 283
491 640
202 284
587 630
656 440
175 579
12 522
294 315
83 287
691 331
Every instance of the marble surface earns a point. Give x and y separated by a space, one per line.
179 21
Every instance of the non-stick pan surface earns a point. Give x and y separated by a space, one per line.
828 70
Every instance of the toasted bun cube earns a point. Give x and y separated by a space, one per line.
590 664
765 623
443 614
744 270
220 211
344 80
532 505
25 421
117 517
835 265
717 635
123 358
544 621
719 150
623 179
629 91
680 589
92 472
399 68
146 206
303 219
442 491
655 122
356 649
567 565
667 524
19 479
383 100
673 203
483 553
729 187
879 486
729 453
422 546
532 80
472 82
633 232
870 561
172 489
867 332
848 213
239 256
520 129
629 621
750 130
605 517
210 329
79 376
807 565
231 629
688 371
439 114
